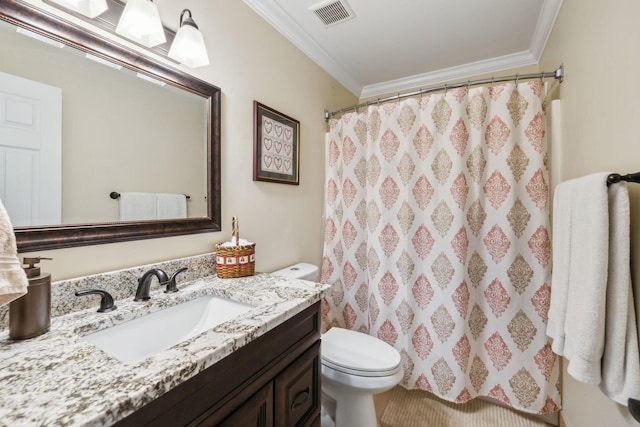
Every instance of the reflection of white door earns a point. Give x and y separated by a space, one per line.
30 151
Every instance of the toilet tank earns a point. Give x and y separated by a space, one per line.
301 270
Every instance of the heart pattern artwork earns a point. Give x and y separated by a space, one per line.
277 147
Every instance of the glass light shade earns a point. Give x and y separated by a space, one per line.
188 47
140 22
90 8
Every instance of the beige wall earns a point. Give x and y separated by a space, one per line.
598 43
249 61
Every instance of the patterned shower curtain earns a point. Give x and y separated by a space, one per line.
437 240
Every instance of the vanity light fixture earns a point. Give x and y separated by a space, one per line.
89 8
188 46
140 22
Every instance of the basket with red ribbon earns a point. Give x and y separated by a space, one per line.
235 258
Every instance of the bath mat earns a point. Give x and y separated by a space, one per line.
416 408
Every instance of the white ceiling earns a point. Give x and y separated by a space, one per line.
397 45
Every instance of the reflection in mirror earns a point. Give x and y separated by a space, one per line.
118 132
76 128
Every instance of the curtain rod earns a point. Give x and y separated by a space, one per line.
558 74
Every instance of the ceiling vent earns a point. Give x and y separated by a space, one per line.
332 12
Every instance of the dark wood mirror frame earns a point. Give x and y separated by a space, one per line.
64 236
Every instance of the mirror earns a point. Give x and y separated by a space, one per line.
185 100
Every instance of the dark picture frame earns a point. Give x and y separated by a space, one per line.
276 153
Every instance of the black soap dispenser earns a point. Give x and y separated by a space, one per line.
30 315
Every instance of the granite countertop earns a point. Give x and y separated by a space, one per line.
60 379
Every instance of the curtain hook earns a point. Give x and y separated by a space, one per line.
516 79
491 87
445 89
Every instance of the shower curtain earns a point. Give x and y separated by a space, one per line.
437 240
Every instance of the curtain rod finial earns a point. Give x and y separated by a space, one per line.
560 73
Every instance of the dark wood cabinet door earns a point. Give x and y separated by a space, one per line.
255 412
297 390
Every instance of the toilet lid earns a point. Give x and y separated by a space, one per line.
358 354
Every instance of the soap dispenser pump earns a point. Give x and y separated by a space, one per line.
30 315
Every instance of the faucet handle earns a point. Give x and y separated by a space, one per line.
106 300
172 286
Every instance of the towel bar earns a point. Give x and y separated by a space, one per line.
616 177
115 195
634 409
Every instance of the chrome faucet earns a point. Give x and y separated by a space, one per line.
142 293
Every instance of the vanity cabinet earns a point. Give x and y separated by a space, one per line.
257 411
291 399
297 390
272 381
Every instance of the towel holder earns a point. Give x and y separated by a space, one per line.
634 409
616 177
115 195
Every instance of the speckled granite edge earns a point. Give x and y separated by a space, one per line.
121 284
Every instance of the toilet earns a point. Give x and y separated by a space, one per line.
355 366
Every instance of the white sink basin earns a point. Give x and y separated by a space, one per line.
137 339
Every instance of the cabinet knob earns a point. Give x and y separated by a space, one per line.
300 398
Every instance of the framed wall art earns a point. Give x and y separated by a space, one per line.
276 152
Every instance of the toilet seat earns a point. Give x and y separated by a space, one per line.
355 353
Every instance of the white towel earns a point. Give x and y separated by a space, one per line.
561 250
591 314
138 206
149 206
13 280
621 358
171 206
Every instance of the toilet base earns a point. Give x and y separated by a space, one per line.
355 367
327 411
349 408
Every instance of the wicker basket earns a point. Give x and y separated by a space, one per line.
235 261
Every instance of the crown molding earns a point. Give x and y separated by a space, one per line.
546 20
281 21
494 65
